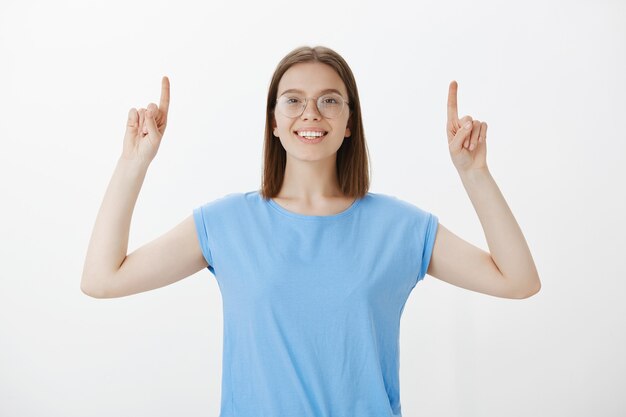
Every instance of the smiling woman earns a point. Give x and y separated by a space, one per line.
313 268
311 97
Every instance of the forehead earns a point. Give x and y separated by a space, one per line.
311 78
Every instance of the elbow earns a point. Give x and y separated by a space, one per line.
532 291
89 290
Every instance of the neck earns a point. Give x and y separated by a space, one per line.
310 180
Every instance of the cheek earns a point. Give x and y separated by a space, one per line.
282 127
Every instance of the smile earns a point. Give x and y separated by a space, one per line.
311 137
310 134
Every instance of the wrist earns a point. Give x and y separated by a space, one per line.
132 166
473 175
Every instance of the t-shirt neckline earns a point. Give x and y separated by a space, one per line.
295 215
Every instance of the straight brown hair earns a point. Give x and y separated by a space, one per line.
352 155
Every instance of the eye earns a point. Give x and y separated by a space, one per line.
292 100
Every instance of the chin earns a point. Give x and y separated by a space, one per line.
311 155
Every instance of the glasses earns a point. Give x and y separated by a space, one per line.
329 105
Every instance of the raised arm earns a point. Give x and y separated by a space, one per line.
509 270
108 271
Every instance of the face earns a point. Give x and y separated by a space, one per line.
311 78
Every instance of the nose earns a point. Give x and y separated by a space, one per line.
310 110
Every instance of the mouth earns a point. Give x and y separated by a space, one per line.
312 137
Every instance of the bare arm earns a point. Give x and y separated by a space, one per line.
109 239
509 270
108 271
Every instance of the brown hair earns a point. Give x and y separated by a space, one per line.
352 155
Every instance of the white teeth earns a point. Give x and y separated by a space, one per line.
311 134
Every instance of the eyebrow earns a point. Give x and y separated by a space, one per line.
328 90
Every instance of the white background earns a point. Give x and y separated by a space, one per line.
547 77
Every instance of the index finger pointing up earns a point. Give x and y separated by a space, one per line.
453 114
164 104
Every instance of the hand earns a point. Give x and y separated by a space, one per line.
145 128
467 146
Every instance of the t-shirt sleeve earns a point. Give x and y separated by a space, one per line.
427 235
203 236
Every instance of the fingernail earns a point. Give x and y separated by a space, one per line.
468 125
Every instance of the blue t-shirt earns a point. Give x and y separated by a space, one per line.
312 304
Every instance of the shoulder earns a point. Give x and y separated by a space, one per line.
226 202
395 206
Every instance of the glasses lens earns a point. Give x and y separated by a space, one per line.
329 105
290 106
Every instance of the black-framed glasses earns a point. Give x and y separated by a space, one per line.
329 106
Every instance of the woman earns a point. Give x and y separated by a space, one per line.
314 270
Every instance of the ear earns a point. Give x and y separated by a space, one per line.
348 132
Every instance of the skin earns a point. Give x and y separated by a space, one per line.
508 270
310 184
467 151
142 144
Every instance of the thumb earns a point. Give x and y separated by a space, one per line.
151 124
132 124
457 143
